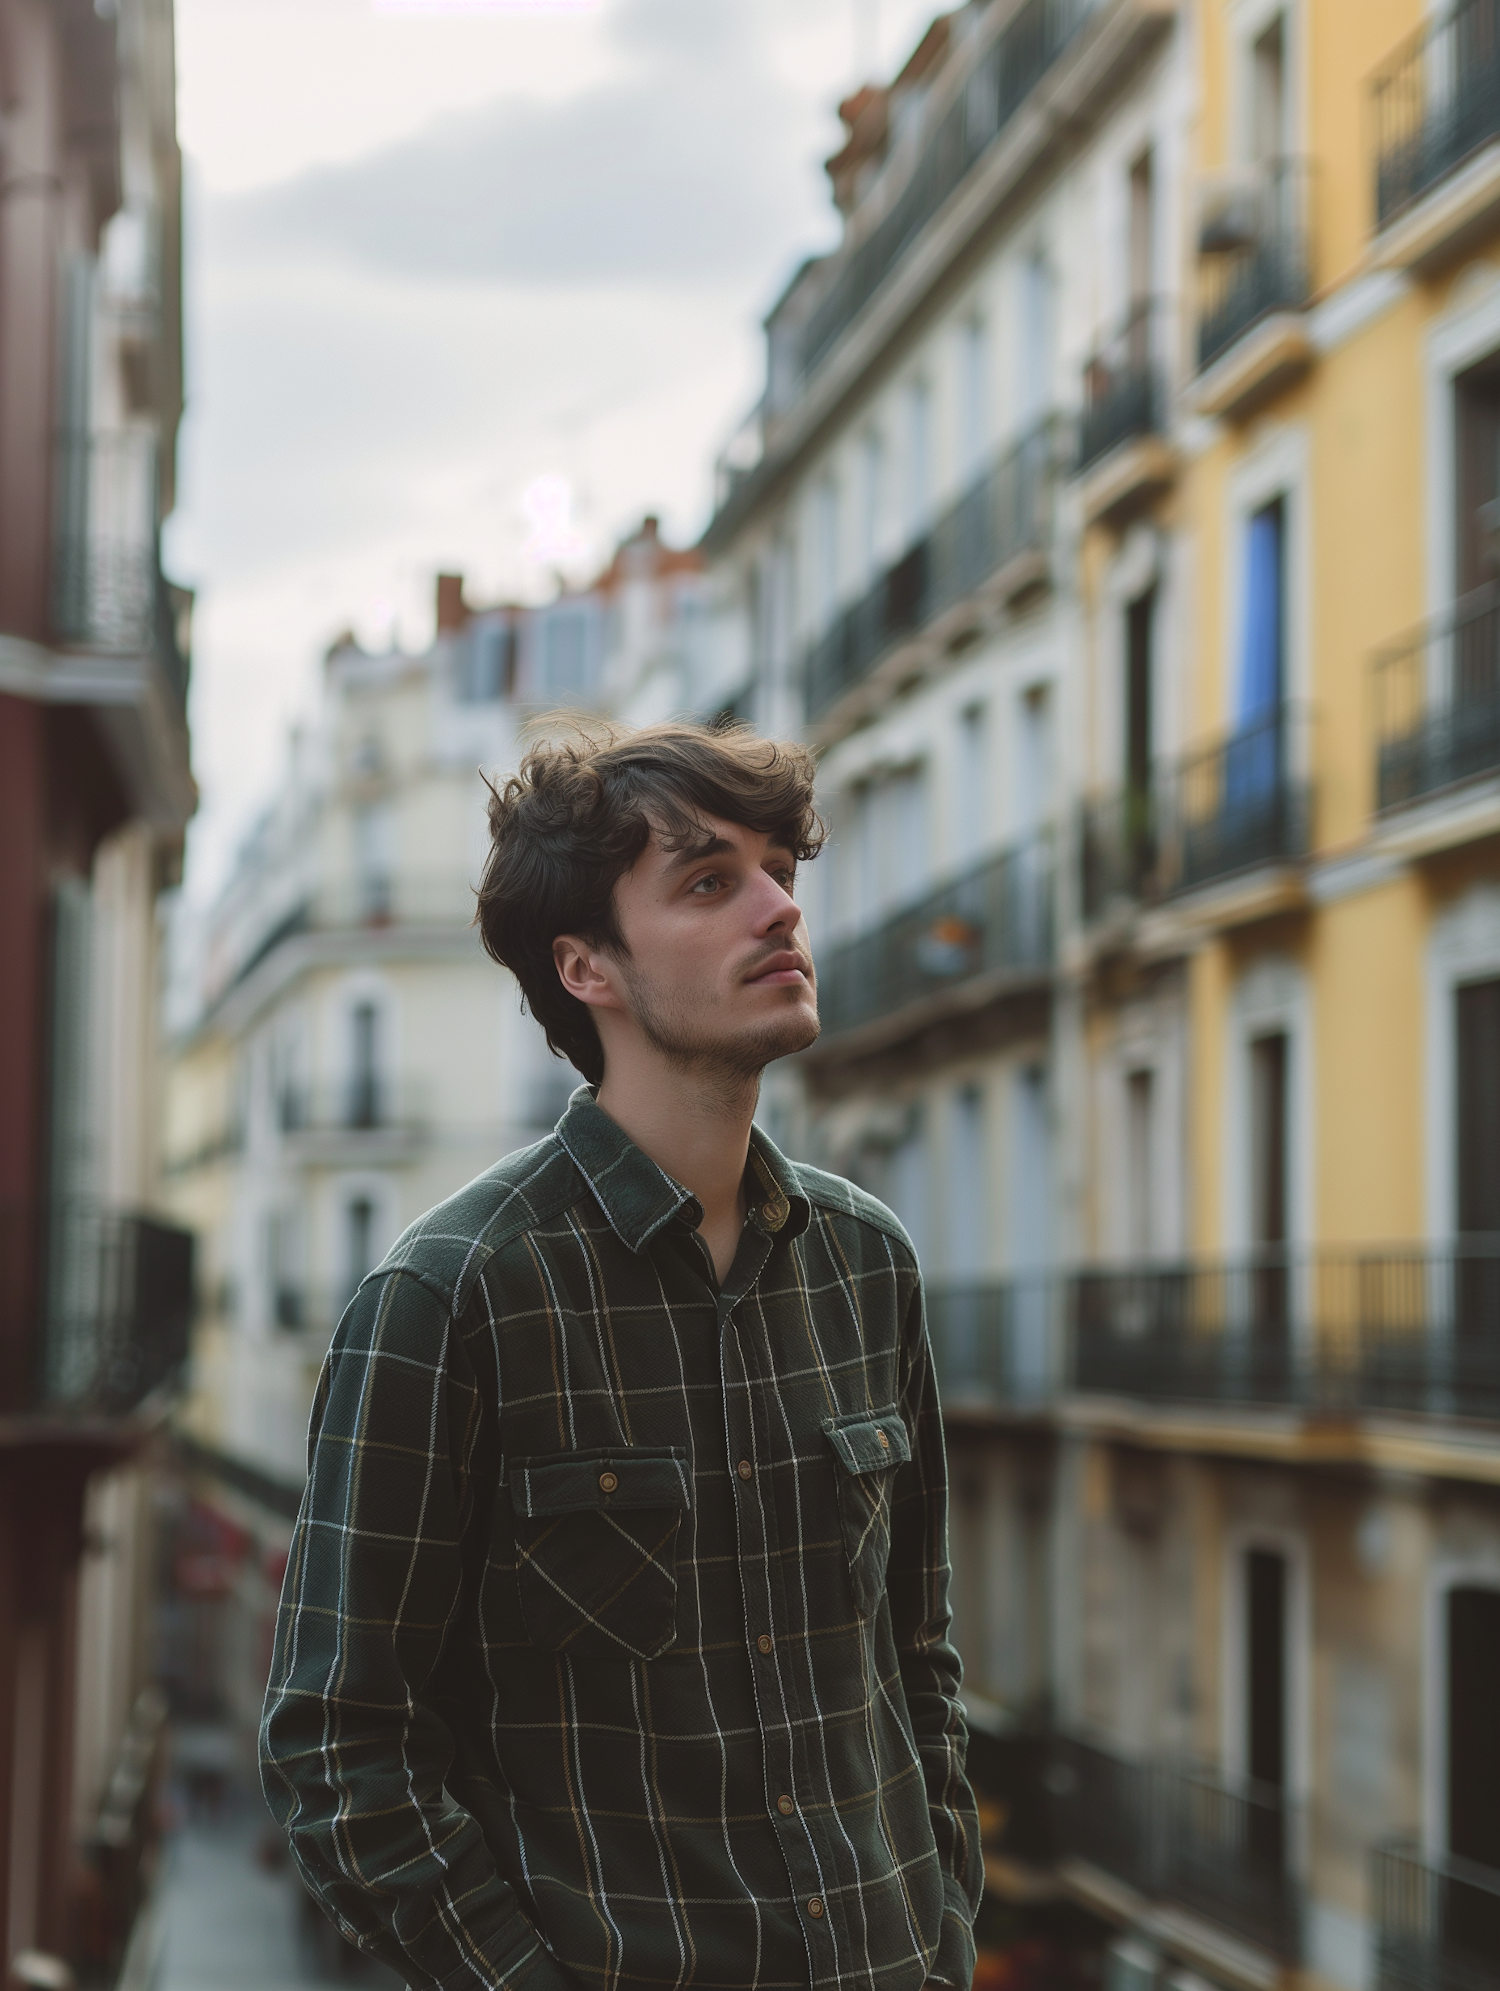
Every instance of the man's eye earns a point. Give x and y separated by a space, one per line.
708 885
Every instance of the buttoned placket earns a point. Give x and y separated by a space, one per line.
772 1681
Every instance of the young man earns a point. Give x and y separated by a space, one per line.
614 1644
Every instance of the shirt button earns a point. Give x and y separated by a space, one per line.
764 1642
745 1469
786 1806
607 1482
815 1909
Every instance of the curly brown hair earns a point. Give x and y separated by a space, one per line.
578 813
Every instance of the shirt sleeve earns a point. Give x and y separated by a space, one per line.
353 1755
917 1587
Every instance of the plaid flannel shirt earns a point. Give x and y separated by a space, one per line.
614 1643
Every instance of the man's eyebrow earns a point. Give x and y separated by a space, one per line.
694 853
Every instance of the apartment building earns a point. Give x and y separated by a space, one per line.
349 1055
1158 932
96 1286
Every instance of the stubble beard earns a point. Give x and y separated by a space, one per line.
731 1063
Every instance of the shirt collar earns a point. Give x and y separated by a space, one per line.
638 1197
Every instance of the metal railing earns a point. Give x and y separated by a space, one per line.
1437 1921
993 919
1436 102
1178 1831
1437 703
1400 1329
1124 385
108 592
997 1341
1002 80
1253 252
1233 805
119 1308
368 1100
1003 514
1117 851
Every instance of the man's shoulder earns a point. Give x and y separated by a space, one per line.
449 1247
835 1195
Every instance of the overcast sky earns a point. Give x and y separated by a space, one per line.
438 249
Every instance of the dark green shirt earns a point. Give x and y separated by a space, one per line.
614 1644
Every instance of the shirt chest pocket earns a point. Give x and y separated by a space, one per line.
869 1446
596 1549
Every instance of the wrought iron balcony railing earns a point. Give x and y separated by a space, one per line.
998 1341
1005 513
1179 1832
118 1310
1124 385
1233 805
1437 1921
108 592
995 919
1412 1329
1436 102
1253 252
1408 1330
367 1101
1437 703
1117 851
1004 77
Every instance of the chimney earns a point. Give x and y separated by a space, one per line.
452 610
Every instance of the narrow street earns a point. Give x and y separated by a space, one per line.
230 1921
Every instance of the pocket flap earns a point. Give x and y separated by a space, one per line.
870 1440
629 1476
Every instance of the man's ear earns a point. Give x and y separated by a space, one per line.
585 972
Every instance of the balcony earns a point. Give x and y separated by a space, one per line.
1123 455
1180 1833
370 1117
1233 806
108 593
1002 80
1437 1922
1437 704
1255 283
1117 853
996 1343
118 1313
996 535
1436 105
1396 1330
983 934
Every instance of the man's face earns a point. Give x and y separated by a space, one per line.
719 968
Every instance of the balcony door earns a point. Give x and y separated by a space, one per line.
1140 674
1474 725
1269 1282
1477 1122
1472 1915
1267 1704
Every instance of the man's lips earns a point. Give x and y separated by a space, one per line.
780 970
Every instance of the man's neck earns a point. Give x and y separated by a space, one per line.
696 1126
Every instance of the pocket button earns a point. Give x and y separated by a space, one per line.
885 1443
607 1482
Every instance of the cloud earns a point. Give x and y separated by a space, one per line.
680 169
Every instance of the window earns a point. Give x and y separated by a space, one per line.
966 1186
1140 630
1142 232
826 547
872 501
374 842
487 662
970 798
1034 760
1476 412
359 1239
1269 1126
1267 1701
918 457
1263 629
364 1102
1034 385
567 638
1268 94
1473 1738
1140 1164
973 396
